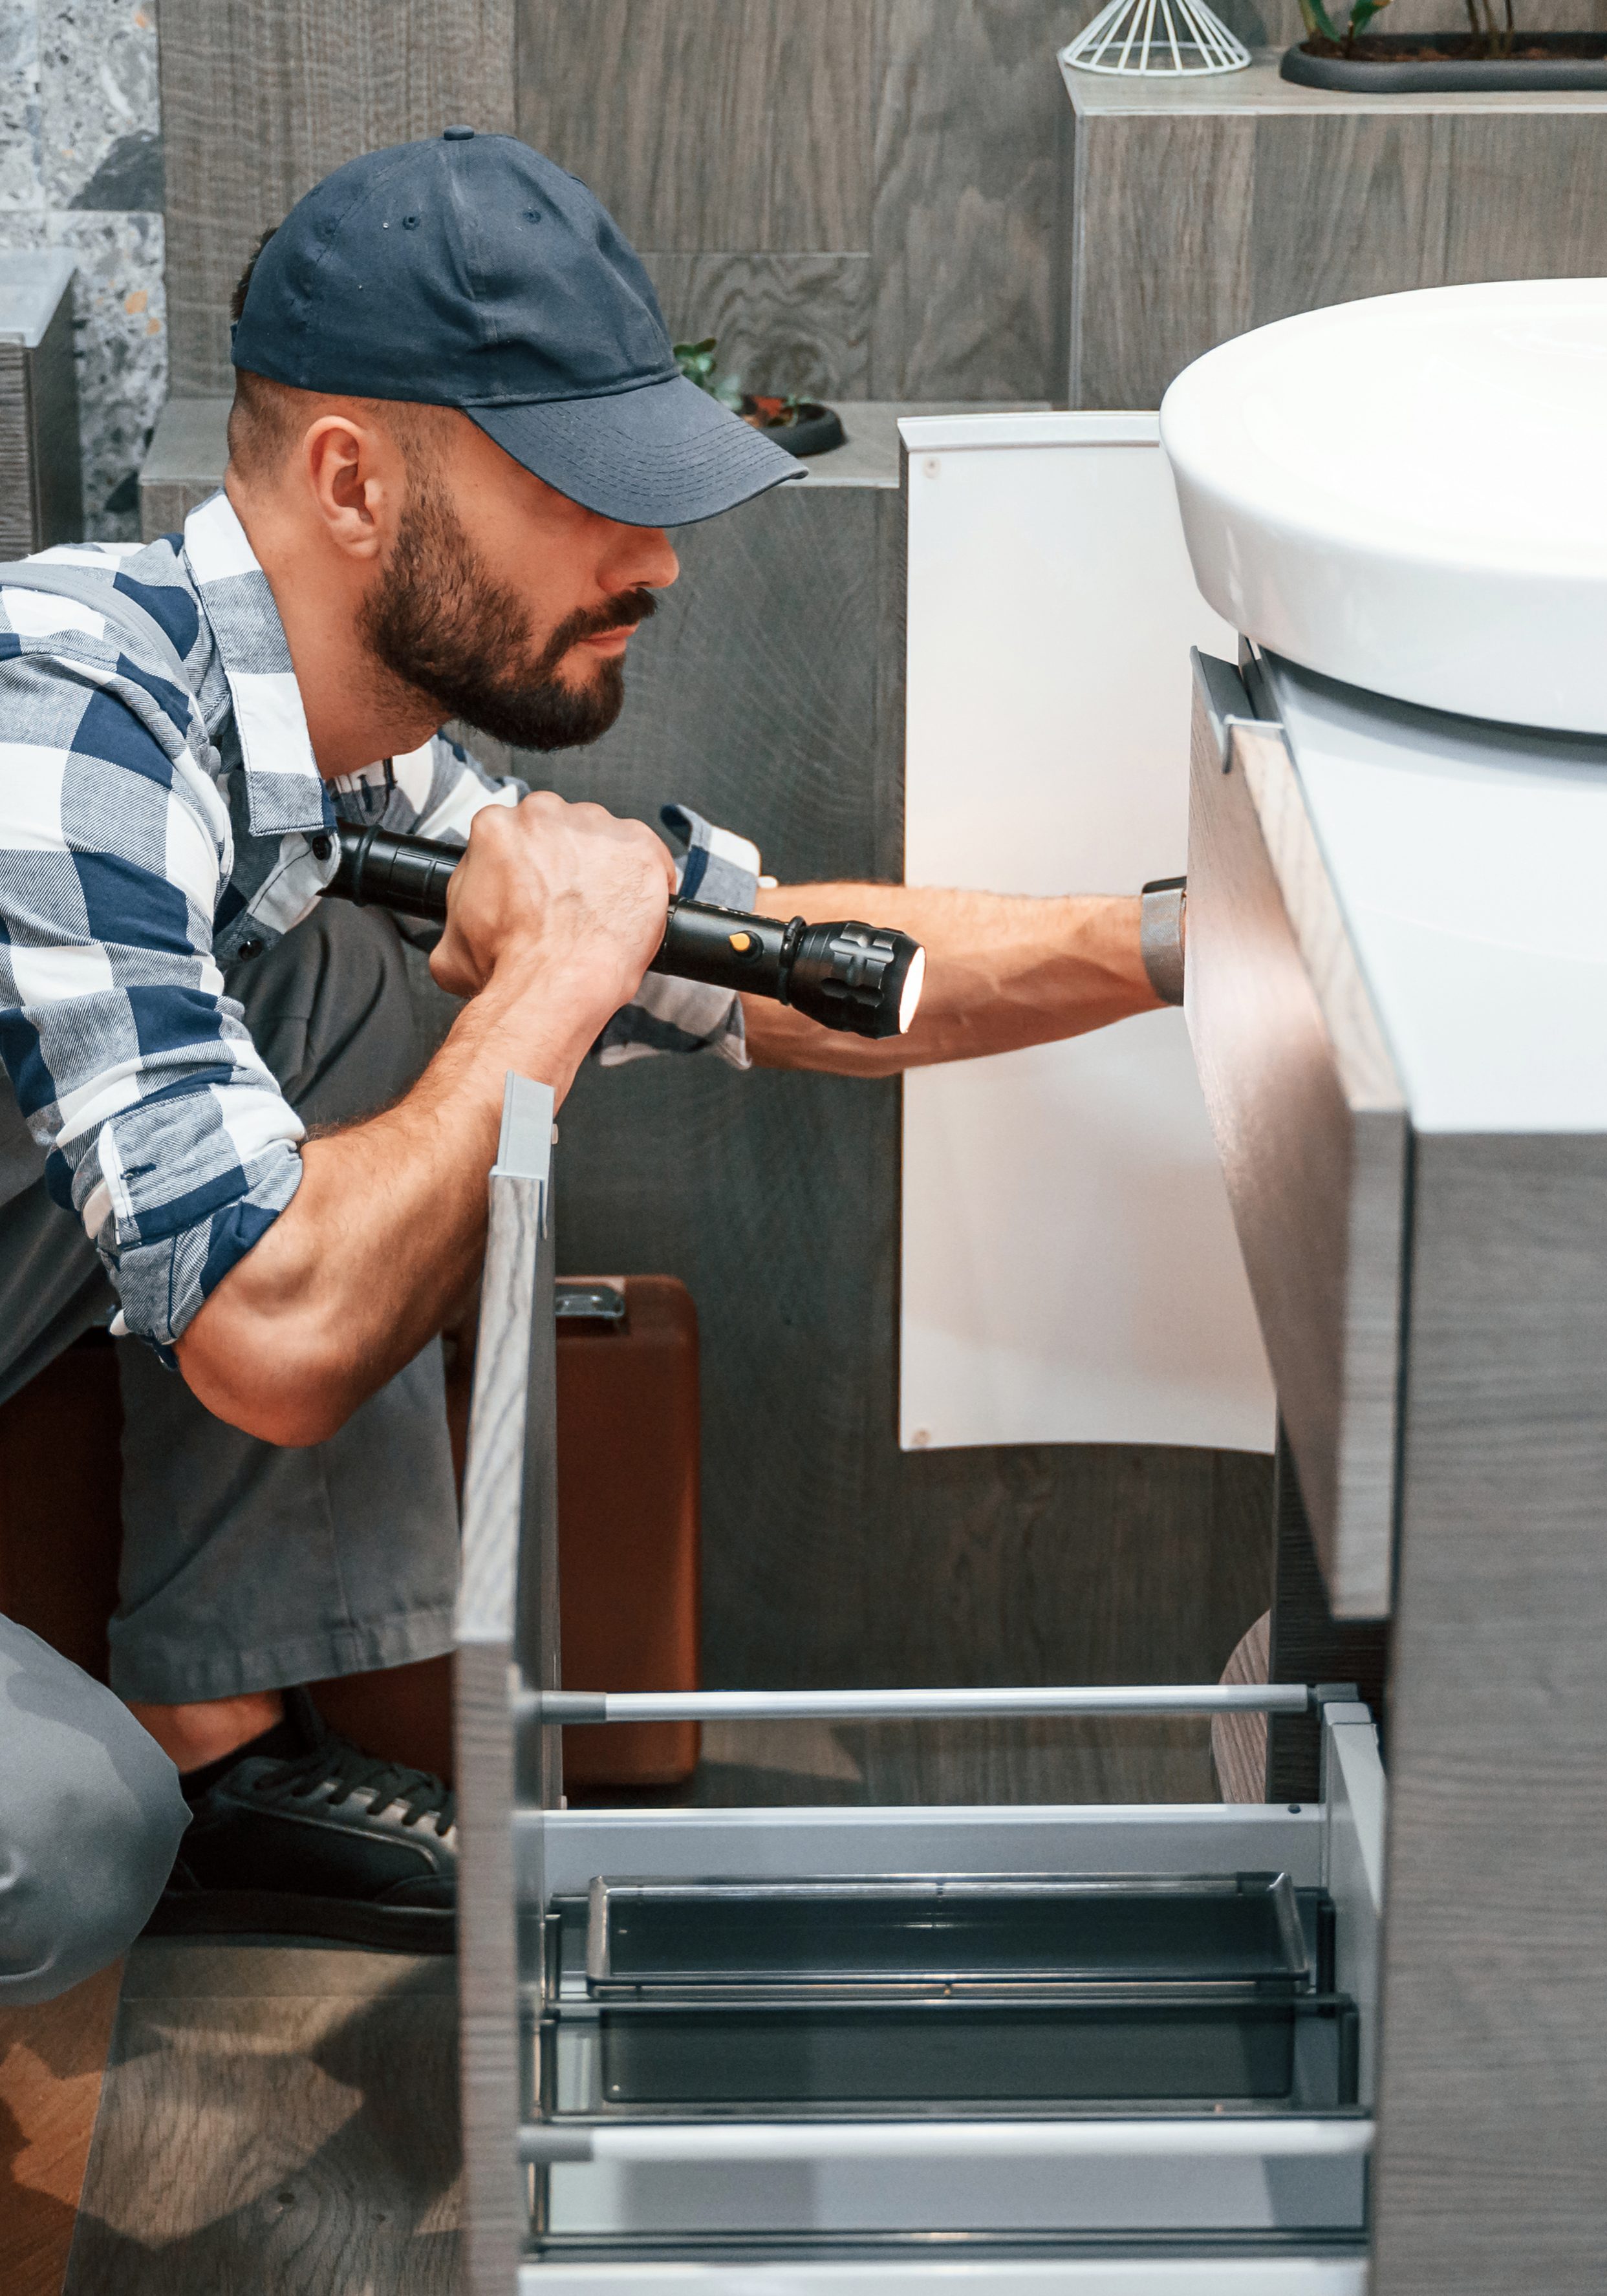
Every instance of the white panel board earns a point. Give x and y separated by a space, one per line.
1070 1268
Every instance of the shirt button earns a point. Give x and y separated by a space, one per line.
318 845
247 949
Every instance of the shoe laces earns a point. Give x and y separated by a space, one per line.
337 1770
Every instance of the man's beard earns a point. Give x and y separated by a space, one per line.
440 622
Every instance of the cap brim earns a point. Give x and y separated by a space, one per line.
665 454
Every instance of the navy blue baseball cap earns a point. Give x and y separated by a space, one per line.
470 272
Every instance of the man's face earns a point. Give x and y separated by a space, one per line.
506 604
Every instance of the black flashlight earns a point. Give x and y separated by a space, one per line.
864 978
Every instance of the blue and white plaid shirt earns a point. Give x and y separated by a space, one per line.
149 837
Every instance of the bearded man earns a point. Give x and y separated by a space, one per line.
458 439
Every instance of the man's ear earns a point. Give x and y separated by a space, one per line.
355 477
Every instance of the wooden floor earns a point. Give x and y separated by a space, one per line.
51 2063
274 2118
280 2120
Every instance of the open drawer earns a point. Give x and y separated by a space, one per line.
1030 2040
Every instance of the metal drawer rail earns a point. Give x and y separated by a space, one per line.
1207 2136
562 1706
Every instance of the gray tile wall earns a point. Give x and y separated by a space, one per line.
1195 225
856 196
81 169
769 694
262 97
859 197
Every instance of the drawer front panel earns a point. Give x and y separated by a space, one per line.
1310 1123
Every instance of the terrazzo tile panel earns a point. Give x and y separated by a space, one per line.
81 169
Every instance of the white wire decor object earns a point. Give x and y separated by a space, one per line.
1156 39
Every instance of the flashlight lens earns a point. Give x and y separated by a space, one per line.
915 981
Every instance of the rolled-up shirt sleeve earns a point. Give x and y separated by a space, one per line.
668 1015
446 786
164 1130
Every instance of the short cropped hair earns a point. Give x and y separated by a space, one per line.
267 417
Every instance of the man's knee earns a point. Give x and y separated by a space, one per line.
330 1009
91 1816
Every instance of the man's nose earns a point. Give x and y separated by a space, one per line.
639 558
659 557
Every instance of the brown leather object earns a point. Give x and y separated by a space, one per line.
61 1482
628 1475
61 1537
401 1713
628 1526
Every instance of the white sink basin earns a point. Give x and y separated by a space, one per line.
1410 494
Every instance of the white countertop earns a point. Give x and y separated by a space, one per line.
1260 89
32 283
1471 860
190 445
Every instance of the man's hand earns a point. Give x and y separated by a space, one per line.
565 901
555 914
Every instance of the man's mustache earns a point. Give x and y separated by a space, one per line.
622 612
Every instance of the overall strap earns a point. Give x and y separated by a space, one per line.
123 613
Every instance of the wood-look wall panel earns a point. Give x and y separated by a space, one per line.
970 135
819 114
784 322
19 523
758 674
877 1764
1532 197
766 693
829 1555
258 103
1346 204
1162 268
1225 205
707 124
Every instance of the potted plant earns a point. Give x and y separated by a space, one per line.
1340 52
803 426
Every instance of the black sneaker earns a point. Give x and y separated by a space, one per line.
327 1842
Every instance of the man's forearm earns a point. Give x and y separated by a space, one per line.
1003 971
378 1245
553 914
